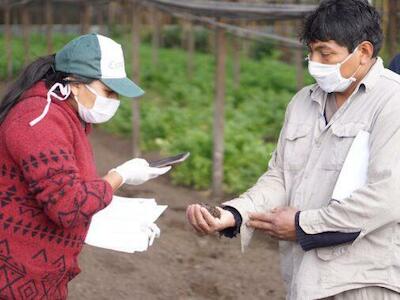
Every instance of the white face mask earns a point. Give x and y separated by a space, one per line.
329 77
102 111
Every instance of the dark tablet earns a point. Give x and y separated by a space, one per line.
168 161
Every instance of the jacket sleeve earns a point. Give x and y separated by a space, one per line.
324 239
45 156
377 203
269 191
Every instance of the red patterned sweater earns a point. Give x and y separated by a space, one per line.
49 190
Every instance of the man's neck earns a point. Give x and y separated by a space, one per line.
342 97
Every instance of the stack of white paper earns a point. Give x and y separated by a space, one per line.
355 168
126 225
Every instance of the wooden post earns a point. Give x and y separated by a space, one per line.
86 16
298 56
136 77
299 59
183 25
236 49
49 26
26 32
63 20
162 19
281 28
111 13
393 25
190 49
385 25
211 41
7 38
124 17
156 36
218 130
100 19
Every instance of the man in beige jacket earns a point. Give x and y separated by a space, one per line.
348 249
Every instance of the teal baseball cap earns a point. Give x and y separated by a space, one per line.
98 57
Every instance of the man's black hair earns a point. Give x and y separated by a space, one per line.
347 22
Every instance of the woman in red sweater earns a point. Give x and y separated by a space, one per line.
49 188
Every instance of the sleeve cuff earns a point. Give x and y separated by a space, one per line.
324 239
301 236
232 232
108 194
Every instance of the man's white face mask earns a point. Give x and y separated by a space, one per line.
329 77
102 111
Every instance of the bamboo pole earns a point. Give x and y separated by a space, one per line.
63 20
385 23
218 130
393 28
26 32
100 19
86 17
298 56
111 13
156 35
49 26
136 77
190 49
236 49
124 17
299 59
7 38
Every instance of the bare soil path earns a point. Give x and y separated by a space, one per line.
179 265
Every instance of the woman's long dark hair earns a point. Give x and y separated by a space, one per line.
41 69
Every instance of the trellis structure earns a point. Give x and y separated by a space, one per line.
213 13
223 17
236 10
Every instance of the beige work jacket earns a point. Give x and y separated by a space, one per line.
303 171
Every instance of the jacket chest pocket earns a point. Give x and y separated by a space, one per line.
297 146
339 144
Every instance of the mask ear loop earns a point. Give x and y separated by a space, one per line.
92 90
64 90
351 77
347 58
97 94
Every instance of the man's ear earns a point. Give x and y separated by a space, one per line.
367 50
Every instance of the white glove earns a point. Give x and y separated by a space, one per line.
137 171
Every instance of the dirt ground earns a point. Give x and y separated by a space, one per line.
179 265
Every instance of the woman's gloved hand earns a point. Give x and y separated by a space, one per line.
137 171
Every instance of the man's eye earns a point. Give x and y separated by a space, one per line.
325 54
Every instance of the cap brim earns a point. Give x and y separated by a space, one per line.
123 86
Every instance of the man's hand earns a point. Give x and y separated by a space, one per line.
279 223
204 223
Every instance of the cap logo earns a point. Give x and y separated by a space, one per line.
115 65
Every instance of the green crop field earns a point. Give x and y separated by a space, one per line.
177 112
